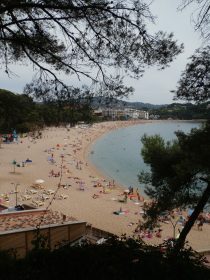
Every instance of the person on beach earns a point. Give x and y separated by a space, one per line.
139 226
130 190
201 221
158 233
104 189
138 195
77 165
95 196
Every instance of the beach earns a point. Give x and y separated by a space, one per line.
72 185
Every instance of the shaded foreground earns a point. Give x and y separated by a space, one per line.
115 259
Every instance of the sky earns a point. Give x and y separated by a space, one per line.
156 85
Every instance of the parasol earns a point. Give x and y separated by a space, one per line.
39 181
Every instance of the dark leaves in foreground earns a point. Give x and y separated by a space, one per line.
80 38
118 258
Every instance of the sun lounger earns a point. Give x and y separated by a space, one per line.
49 192
37 186
26 197
37 203
122 200
123 212
45 197
63 196
31 191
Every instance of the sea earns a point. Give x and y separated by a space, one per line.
117 154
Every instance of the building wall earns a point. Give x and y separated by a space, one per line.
21 240
126 113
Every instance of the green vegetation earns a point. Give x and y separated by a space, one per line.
180 174
116 259
73 37
20 112
183 111
180 170
195 80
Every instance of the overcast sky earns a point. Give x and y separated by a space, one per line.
155 86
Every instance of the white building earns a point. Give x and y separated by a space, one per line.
143 115
126 113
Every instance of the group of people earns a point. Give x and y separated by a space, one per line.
132 195
54 174
147 233
200 222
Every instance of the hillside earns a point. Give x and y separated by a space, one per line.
103 102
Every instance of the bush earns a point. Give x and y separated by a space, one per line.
124 258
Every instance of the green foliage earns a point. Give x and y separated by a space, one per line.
22 113
183 111
73 37
40 241
180 175
194 83
195 80
179 169
118 258
15 110
200 16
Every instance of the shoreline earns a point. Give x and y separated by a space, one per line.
87 149
79 178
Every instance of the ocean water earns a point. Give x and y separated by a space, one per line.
118 153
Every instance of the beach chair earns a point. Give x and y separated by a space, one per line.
49 192
37 203
44 197
35 186
64 196
26 197
32 191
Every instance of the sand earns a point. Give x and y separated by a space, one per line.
75 195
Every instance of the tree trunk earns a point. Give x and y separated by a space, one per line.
189 224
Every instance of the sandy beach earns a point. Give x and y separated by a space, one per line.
60 156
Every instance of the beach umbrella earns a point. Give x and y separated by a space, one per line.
39 181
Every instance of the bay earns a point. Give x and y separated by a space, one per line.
118 153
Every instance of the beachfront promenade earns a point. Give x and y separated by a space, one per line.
84 193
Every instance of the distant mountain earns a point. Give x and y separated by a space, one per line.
141 105
104 102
